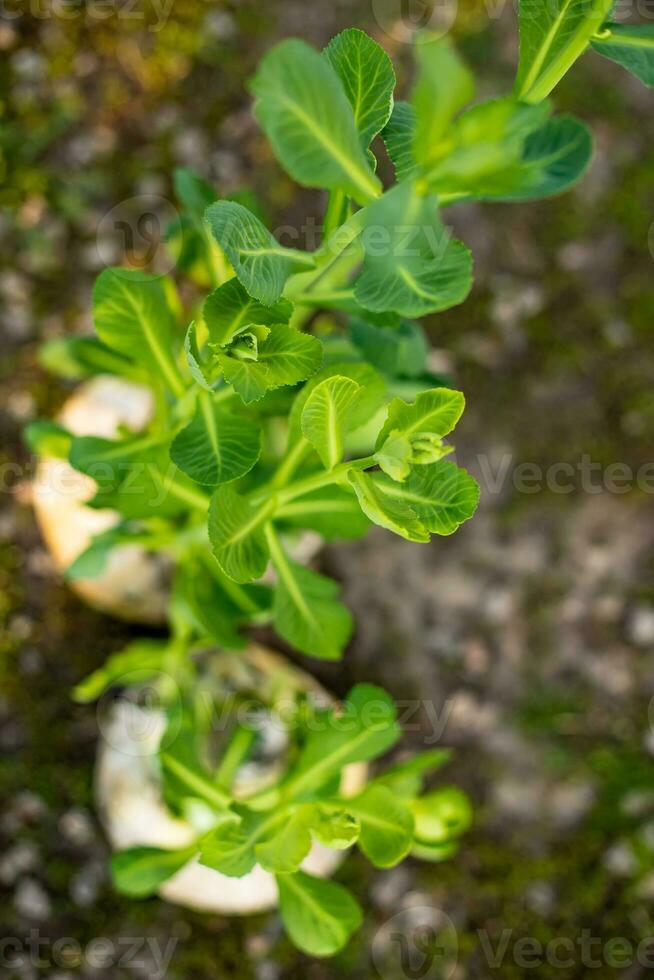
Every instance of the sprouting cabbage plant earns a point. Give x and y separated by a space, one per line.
296 396
275 826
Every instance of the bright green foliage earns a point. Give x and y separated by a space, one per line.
305 112
630 45
319 916
229 311
271 421
553 34
140 871
217 446
411 264
444 87
368 78
306 611
277 831
327 415
260 263
132 317
398 137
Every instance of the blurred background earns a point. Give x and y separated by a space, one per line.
530 632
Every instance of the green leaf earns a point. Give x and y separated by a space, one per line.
441 815
553 34
237 535
554 158
333 512
507 151
140 871
303 108
417 268
436 412
251 379
184 773
132 317
83 357
406 778
290 356
400 352
152 486
337 829
286 849
371 398
444 86
630 45
368 78
193 192
386 825
229 848
260 262
319 916
399 453
434 853
110 462
398 136
305 608
47 438
214 605
285 357
217 446
228 311
92 561
364 728
441 495
387 511
197 364
138 662
327 417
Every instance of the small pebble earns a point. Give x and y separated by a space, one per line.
32 901
77 827
18 860
640 626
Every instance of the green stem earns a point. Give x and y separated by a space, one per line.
537 86
195 498
236 592
338 211
310 483
290 463
199 787
235 755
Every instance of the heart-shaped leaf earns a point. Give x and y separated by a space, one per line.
327 417
260 262
217 446
411 266
319 916
304 110
131 316
368 78
236 532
